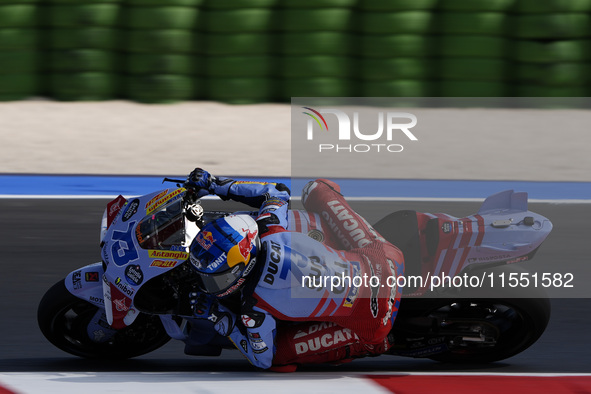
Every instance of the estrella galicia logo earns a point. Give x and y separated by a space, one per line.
131 210
134 275
390 126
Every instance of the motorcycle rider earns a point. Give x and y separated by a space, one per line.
282 321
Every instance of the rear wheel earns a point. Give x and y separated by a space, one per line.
472 330
64 320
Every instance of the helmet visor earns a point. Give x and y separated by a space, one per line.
217 283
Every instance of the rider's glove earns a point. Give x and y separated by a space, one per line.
201 182
206 306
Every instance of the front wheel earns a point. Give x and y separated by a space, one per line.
64 320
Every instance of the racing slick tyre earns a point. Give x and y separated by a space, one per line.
64 318
515 322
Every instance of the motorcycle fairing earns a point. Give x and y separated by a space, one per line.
147 238
502 231
86 284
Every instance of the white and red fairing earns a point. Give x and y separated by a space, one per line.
132 256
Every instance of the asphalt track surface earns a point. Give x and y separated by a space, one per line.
41 240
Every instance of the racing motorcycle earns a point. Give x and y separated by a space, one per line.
137 297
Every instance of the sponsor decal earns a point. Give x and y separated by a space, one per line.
233 288
105 254
134 275
326 341
490 258
121 305
164 200
347 223
91 276
272 204
446 227
113 209
392 298
205 239
168 254
313 328
273 263
123 287
217 262
77 280
248 321
518 260
316 234
244 346
96 300
156 198
196 262
373 304
131 210
244 246
164 263
353 290
256 343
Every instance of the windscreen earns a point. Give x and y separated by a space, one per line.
162 228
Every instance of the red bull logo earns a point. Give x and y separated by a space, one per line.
240 253
205 239
244 245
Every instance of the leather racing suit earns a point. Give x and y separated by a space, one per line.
290 315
